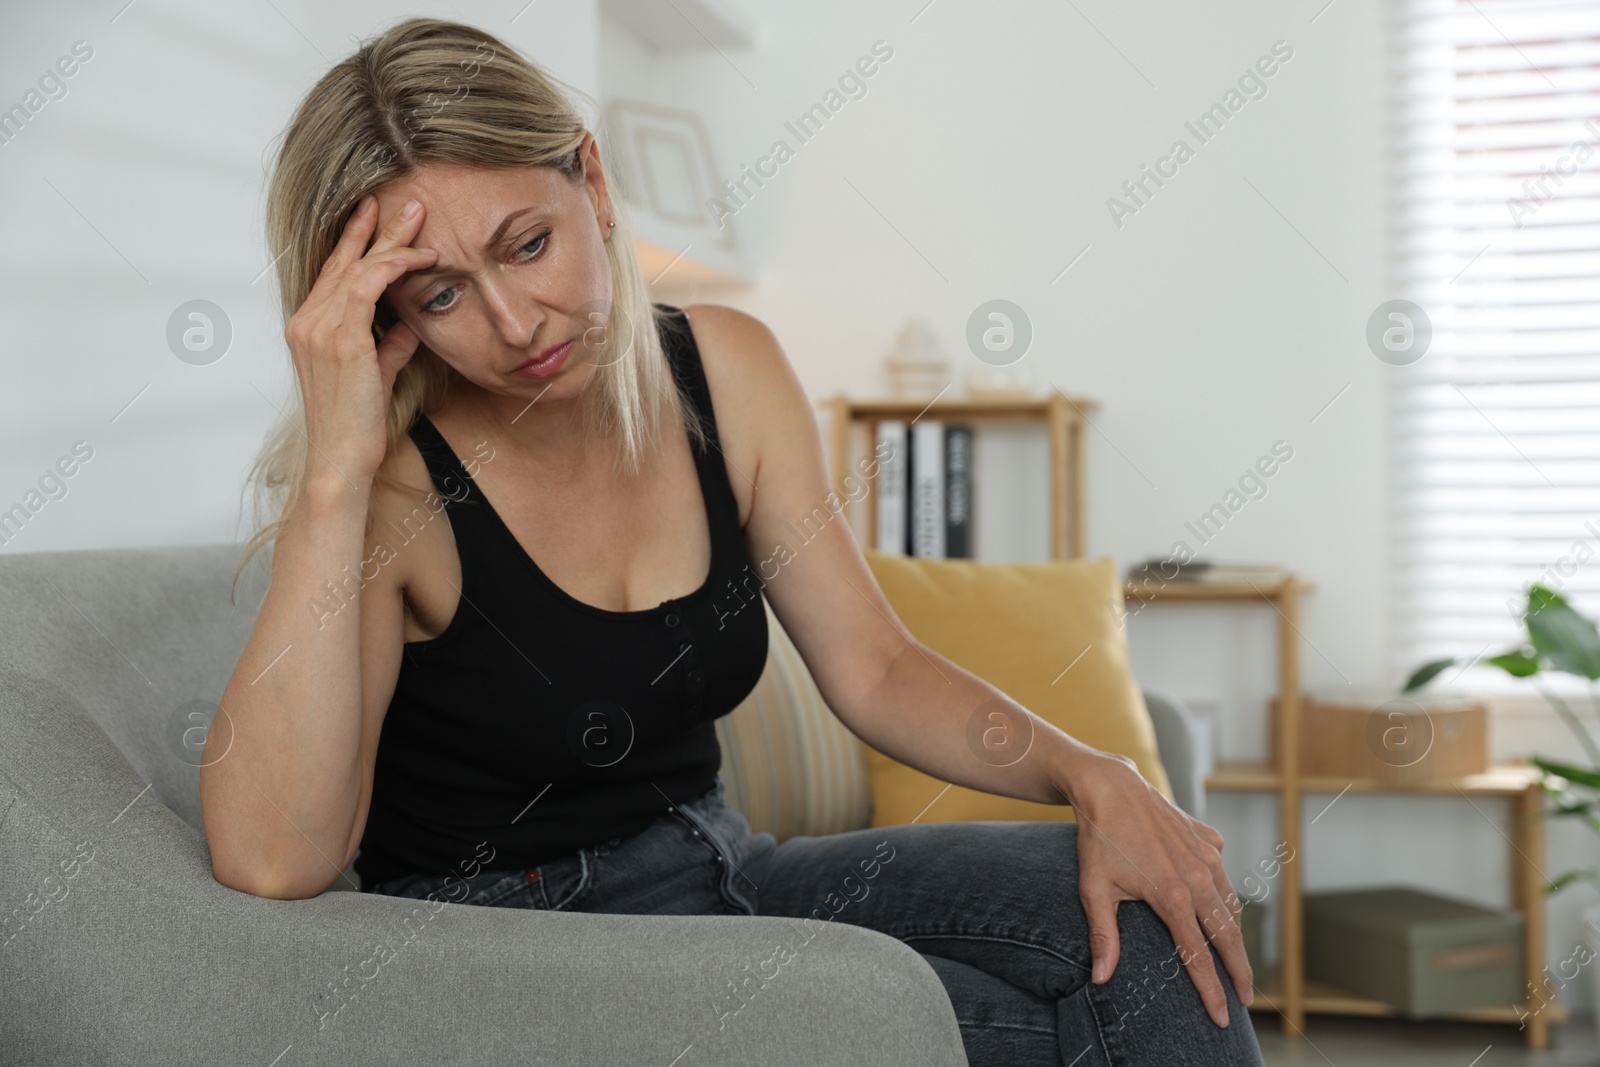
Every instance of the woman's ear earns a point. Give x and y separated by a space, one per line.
594 178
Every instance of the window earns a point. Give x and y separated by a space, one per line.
1496 428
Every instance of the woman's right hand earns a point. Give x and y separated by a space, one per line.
345 377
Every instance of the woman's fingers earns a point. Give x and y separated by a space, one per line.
1100 906
349 249
1225 932
361 297
1229 942
1176 908
353 241
1208 834
1219 880
1218 906
400 230
352 260
399 344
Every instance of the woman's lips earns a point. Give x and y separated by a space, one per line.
543 368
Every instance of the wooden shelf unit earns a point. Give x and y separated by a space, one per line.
1284 989
1518 783
1322 999
1064 417
1284 596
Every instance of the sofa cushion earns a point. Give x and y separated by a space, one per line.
789 764
1048 635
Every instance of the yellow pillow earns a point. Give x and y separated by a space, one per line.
1045 634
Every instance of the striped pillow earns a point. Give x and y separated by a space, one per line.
790 766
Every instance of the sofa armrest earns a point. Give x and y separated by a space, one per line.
1178 741
123 948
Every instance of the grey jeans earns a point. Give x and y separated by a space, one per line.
992 906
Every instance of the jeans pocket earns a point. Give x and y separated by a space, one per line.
563 884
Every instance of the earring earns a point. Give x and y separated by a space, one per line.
611 225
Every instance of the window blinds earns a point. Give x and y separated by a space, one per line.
1495 430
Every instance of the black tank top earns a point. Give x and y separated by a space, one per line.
535 724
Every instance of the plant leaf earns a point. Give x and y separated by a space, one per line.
1568 640
1516 663
1569 877
1581 775
1426 673
1566 809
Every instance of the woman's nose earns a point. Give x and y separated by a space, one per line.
515 314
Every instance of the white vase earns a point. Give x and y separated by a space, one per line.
917 366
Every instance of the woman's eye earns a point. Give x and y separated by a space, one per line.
434 307
539 240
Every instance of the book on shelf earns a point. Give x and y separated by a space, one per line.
892 485
924 500
958 491
1156 571
925 514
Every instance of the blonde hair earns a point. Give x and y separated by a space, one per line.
430 91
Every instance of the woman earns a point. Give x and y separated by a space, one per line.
468 324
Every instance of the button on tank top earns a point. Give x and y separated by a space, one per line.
536 724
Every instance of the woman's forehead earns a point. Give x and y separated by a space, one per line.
440 184
469 204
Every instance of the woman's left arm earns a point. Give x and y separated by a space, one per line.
890 689
915 705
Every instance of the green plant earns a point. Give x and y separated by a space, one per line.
1559 640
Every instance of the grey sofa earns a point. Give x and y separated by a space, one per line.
118 946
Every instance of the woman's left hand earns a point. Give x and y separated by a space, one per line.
1135 844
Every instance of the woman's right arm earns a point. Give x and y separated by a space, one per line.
291 771
288 761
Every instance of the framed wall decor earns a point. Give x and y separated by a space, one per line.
668 169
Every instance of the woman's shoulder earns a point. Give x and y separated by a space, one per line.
755 392
738 350
721 318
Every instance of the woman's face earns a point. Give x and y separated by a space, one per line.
522 269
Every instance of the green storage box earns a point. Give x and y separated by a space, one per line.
1424 954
